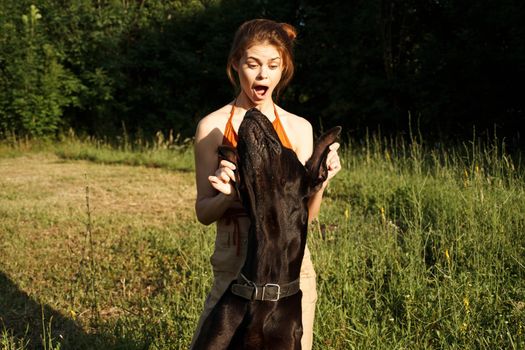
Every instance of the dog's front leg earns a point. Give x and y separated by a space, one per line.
283 328
220 325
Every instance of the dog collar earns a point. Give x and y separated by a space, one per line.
268 292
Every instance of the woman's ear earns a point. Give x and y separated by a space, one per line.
235 66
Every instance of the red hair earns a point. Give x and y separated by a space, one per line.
264 31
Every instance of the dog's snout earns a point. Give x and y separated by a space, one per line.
257 132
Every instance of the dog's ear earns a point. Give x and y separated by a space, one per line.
316 165
228 153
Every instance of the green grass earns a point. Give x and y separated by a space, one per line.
415 248
169 153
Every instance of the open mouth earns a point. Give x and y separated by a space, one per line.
260 90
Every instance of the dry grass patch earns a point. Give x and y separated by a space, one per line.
46 182
44 247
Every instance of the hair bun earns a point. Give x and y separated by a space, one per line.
290 30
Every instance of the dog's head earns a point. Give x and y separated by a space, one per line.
259 143
265 166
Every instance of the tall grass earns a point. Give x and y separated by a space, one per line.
417 247
427 250
168 152
162 152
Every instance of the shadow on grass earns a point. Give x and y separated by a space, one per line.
37 325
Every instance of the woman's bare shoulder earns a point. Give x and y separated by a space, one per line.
301 123
300 134
298 124
213 123
215 119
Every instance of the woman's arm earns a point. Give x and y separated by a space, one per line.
214 189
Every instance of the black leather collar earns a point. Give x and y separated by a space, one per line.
268 292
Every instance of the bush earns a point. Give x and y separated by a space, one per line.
35 87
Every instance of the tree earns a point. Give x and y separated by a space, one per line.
35 87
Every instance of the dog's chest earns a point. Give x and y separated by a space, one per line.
276 190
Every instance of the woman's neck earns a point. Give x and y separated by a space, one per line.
266 106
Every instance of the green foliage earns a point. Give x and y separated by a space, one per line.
34 87
159 65
447 63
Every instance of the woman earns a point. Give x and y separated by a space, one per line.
261 59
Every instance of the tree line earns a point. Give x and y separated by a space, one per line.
101 66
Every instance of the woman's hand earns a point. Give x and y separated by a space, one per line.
224 178
332 161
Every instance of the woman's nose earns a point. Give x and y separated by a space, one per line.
263 72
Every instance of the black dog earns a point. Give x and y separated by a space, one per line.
262 309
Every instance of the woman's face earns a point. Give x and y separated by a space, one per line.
260 70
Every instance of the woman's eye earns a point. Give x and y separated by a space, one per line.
252 66
274 67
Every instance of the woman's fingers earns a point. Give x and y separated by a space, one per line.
226 171
332 160
223 177
225 174
227 164
230 175
332 154
334 146
221 186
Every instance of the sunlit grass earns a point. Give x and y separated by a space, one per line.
416 247
430 254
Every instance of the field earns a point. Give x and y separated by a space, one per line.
416 247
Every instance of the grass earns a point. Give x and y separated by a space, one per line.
170 152
415 247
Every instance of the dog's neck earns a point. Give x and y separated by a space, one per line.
274 186
279 217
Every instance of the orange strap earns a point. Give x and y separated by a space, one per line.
231 138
